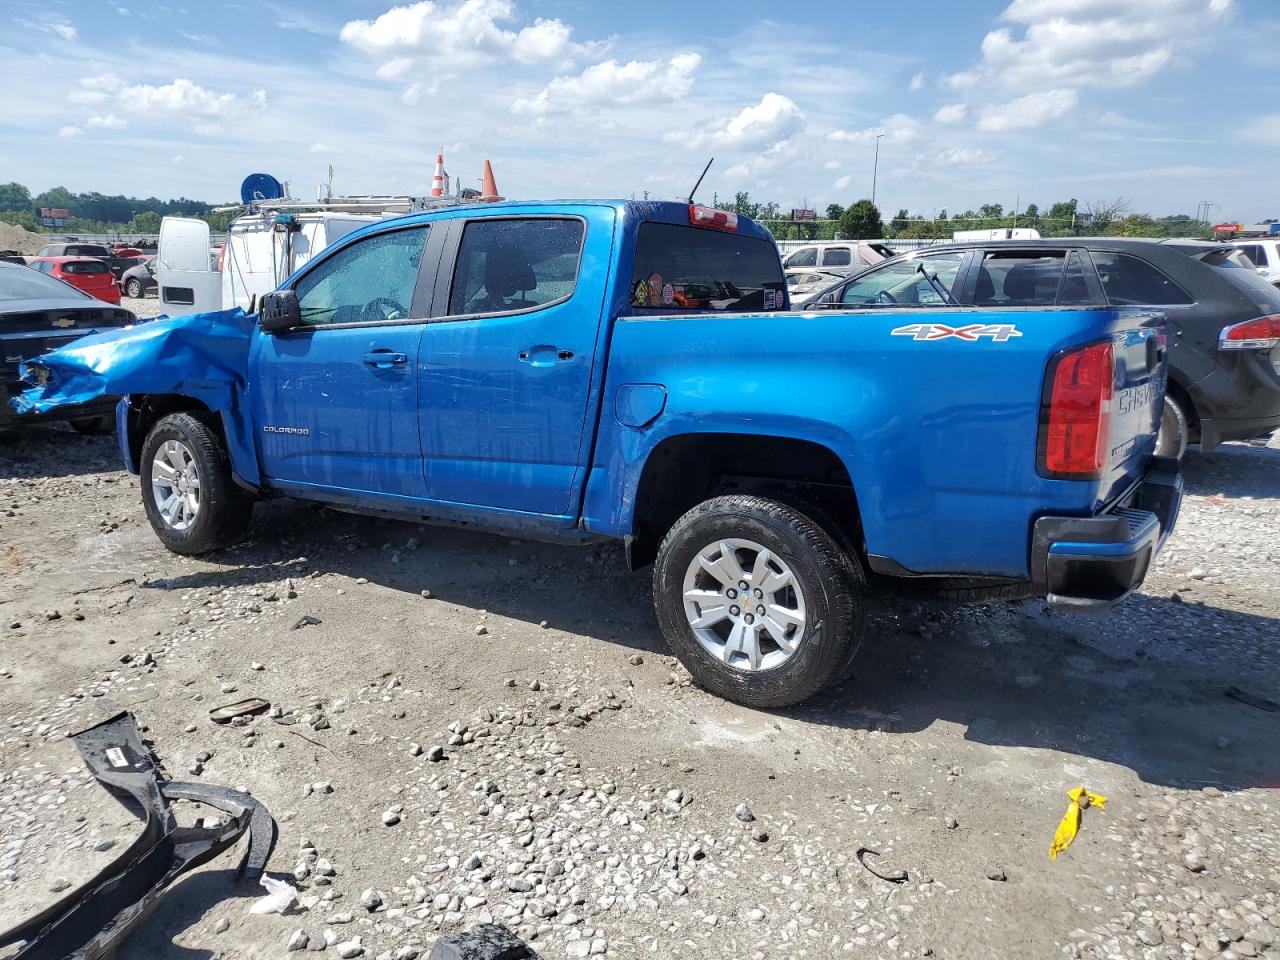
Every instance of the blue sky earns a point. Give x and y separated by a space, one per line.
1164 102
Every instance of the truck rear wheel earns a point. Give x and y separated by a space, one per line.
757 600
193 504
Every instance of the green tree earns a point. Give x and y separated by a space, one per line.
20 218
1060 218
834 210
14 196
148 221
861 221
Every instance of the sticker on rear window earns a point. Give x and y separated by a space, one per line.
998 332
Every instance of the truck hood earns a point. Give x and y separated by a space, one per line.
204 355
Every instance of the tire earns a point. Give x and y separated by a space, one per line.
221 509
133 288
820 606
1172 439
94 426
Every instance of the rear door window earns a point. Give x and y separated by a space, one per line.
692 268
1255 252
1131 281
906 282
506 266
836 257
1019 278
804 257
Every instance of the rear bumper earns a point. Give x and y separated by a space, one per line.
1092 563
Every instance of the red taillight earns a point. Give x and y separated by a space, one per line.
1076 419
713 218
1260 334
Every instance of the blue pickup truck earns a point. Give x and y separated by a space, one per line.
586 370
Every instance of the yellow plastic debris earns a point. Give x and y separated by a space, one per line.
1070 825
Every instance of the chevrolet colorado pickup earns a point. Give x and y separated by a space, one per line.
579 370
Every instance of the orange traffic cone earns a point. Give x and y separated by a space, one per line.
437 181
488 188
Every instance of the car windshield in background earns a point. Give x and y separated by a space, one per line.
86 267
906 283
691 268
23 283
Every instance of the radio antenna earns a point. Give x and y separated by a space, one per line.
703 174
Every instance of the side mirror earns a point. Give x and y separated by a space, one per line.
278 311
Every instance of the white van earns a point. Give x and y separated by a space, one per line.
261 250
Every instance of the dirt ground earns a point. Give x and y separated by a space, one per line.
587 795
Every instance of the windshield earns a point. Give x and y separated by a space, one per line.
23 283
909 282
690 268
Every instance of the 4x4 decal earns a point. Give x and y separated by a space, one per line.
998 332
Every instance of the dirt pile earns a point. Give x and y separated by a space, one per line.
18 238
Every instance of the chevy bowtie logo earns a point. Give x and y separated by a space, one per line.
998 332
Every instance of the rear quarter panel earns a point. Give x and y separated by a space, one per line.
938 436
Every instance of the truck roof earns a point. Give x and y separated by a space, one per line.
661 211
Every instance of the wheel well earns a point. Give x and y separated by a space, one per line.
1179 393
145 410
683 471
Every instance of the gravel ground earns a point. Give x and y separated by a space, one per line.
483 728
143 307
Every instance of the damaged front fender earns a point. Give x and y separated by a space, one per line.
204 356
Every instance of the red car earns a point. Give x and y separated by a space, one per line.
84 273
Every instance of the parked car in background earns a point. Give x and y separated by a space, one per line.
140 280
120 250
116 263
1264 254
39 314
837 256
84 273
13 256
1224 319
801 283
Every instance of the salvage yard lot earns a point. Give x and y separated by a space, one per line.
587 793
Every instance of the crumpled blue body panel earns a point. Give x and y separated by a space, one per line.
204 356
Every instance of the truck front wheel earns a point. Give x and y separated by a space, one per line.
757 600
193 504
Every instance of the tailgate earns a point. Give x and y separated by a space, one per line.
1137 402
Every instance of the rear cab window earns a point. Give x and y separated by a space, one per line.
1131 281
694 268
837 257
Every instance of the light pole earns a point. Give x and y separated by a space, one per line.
875 168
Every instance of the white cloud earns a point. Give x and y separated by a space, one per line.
612 83
323 148
963 157
1264 129
466 33
68 132
107 122
181 96
899 128
951 113
1024 113
832 165
65 30
1098 43
917 81
767 124
842 183
395 68
178 158
752 168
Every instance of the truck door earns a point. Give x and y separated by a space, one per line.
335 401
184 271
506 368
